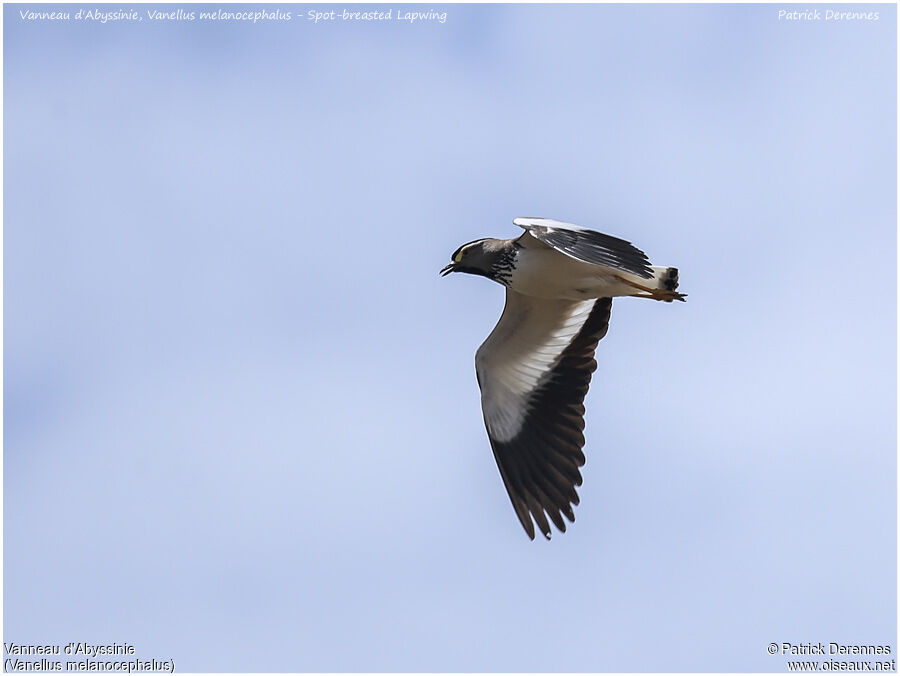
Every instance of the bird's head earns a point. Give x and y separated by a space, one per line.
476 258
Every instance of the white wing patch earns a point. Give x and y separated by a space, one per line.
520 353
546 223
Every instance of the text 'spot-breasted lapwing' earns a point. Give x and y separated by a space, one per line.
535 367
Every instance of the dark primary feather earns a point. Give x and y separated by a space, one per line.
593 247
540 465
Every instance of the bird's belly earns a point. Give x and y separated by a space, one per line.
554 275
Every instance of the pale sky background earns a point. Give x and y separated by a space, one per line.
242 428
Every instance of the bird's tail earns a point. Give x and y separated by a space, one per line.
666 279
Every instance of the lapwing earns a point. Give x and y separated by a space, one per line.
535 367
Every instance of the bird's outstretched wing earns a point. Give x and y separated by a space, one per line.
534 371
588 246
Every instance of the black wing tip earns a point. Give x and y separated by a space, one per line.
555 513
543 526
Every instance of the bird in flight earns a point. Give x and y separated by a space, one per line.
535 367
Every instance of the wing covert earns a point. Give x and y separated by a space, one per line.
588 246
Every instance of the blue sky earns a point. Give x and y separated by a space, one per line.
242 428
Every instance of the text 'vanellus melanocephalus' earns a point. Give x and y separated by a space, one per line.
535 368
